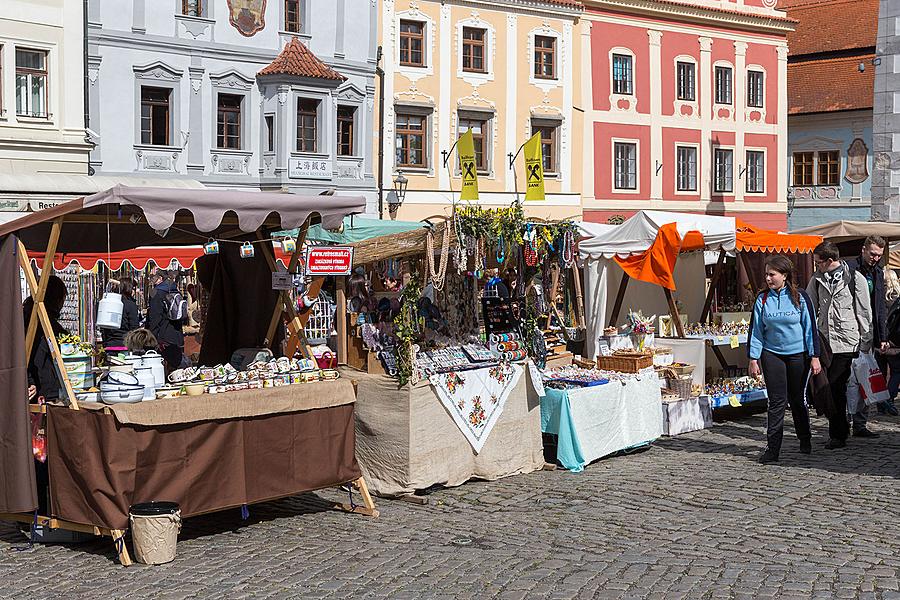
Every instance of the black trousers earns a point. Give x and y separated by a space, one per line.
838 375
785 383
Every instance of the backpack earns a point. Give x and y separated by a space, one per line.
175 306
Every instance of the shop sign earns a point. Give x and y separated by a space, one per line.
37 205
282 280
329 260
12 205
309 168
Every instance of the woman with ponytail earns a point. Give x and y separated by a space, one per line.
784 345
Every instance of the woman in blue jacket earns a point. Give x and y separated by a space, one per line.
784 342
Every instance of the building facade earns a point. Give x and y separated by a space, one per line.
686 108
886 116
830 91
255 94
42 130
504 69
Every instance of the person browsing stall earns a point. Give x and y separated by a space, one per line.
784 345
42 371
114 338
166 316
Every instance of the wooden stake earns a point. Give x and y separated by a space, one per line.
717 273
673 311
620 295
121 550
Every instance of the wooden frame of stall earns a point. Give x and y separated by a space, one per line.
40 317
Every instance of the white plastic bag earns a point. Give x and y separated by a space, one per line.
872 385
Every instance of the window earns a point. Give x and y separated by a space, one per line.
723 178
829 167
686 168
410 140
412 43
723 85
292 16
307 124
803 168
755 89
622 74
270 133
548 144
155 116
346 115
473 50
478 127
756 172
685 76
192 8
625 163
544 57
228 121
31 83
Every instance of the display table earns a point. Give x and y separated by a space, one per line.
594 422
738 399
406 440
100 466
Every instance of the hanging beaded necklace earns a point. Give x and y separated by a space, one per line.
438 276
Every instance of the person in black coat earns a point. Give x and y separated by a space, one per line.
115 338
42 373
169 333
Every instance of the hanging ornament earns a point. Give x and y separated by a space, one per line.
501 250
247 250
288 245
211 247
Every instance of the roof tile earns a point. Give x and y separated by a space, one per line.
298 60
830 85
831 25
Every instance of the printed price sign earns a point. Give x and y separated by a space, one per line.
329 260
282 280
734 342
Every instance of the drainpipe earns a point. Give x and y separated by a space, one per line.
87 83
380 73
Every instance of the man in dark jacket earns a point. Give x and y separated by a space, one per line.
168 333
868 264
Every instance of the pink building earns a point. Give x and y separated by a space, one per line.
688 108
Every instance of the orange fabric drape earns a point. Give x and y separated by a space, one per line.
753 239
657 263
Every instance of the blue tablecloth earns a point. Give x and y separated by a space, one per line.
556 418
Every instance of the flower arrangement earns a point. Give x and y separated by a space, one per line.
638 323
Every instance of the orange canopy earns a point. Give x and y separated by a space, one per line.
754 239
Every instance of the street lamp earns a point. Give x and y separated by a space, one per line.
400 183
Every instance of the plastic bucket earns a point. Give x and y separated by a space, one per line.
79 370
154 531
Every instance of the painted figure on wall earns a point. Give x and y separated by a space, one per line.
857 167
247 16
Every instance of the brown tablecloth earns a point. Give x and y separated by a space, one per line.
99 466
231 405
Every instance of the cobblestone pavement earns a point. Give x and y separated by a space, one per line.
692 517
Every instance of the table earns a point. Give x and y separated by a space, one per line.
594 422
742 398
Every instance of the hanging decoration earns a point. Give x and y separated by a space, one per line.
211 247
437 276
247 250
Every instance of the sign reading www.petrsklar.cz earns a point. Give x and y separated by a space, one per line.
465 149
534 169
329 260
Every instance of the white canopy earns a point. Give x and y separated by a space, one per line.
638 233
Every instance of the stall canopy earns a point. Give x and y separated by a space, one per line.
843 231
138 258
357 229
755 239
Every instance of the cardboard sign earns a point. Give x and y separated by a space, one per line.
329 260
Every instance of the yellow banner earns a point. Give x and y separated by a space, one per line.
534 169
465 150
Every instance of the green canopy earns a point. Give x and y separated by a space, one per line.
356 228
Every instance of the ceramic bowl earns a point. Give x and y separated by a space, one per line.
195 389
169 391
121 394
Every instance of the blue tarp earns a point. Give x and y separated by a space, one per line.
356 229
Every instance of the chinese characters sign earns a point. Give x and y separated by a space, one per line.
309 168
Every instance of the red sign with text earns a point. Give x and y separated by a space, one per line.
329 260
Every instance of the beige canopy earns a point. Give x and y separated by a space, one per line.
842 231
172 217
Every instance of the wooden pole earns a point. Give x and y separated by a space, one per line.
717 273
554 290
579 296
751 274
340 315
37 293
620 295
673 311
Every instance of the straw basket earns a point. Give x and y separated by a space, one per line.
680 384
625 362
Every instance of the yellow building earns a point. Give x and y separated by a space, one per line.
504 69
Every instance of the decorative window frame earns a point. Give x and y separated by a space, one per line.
324 115
233 83
712 165
490 51
350 95
679 105
428 135
159 75
546 85
697 178
637 165
196 28
746 169
489 116
428 46
716 107
615 99
751 109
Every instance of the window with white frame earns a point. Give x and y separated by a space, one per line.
544 57
723 173
412 43
474 42
307 125
685 77
623 74
686 168
410 140
756 171
755 91
228 121
625 165
31 83
723 85
346 124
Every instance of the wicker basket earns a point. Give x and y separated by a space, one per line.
679 384
625 362
681 369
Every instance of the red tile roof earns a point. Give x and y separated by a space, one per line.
727 11
830 84
566 3
298 60
829 25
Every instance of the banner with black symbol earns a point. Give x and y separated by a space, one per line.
534 169
465 149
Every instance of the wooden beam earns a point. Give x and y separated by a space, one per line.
620 295
340 315
673 312
751 275
717 273
38 294
579 296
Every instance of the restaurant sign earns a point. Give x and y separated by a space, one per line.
309 168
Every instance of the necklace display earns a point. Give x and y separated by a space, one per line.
438 276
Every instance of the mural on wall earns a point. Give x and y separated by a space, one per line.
247 16
857 167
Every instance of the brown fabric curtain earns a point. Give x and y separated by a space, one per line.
18 492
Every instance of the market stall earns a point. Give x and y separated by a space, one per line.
248 443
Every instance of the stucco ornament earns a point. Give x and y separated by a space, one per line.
857 167
247 16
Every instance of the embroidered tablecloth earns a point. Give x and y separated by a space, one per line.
475 398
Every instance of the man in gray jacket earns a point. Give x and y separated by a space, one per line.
844 317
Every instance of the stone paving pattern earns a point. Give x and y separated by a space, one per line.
692 517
